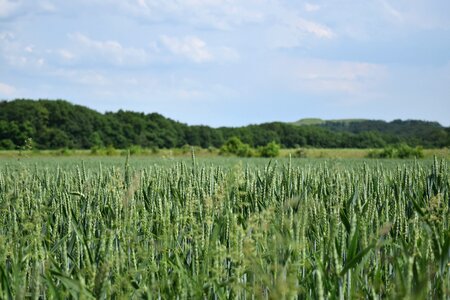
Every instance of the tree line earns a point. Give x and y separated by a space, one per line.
53 124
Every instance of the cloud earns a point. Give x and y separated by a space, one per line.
216 14
109 50
391 10
432 14
90 78
18 54
325 76
6 36
190 47
295 31
309 7
319 30
8 8
47 6
11 9
197 50
66 54
6 89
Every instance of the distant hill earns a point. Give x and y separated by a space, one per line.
412 131
317 121
50 124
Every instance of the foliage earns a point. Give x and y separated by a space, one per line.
135 150
300 153
60 124
7 144
399 151
108 151
185 231
235 146
272 149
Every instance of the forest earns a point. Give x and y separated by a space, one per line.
54 124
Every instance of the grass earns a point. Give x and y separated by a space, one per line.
220 228
208 153
356 153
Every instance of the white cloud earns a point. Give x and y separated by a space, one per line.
6 89
191 47
19 54
8 8
47 6
325 76
217 14
14 8
319 30
391 10
91 78
294 31
417 14
29 48
309 7
66 54
6 36
110 50
197 50
21 61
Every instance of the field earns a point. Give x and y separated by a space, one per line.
223 228
346 153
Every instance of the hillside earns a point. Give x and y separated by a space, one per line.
318 121
52 124
414 131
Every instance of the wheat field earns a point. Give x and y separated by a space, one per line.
241 230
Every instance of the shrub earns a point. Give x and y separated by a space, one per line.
135 150
399 151
272 149
185 149
95 150
405 151
235 146
7 144
63 152
300 153
110 151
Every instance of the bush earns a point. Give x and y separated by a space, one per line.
95 150
211 149
399 151
235 146
185 149
63 152
135 150
405 151
154 150
110 151
7 144
300 153
272 149
387 152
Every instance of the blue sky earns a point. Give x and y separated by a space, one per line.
232 62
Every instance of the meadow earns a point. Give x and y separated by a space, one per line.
83 227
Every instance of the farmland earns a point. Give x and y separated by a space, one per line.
223 228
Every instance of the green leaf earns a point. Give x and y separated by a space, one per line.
355 260
353 247
345 221
5 283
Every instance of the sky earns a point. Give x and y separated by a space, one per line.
232 62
